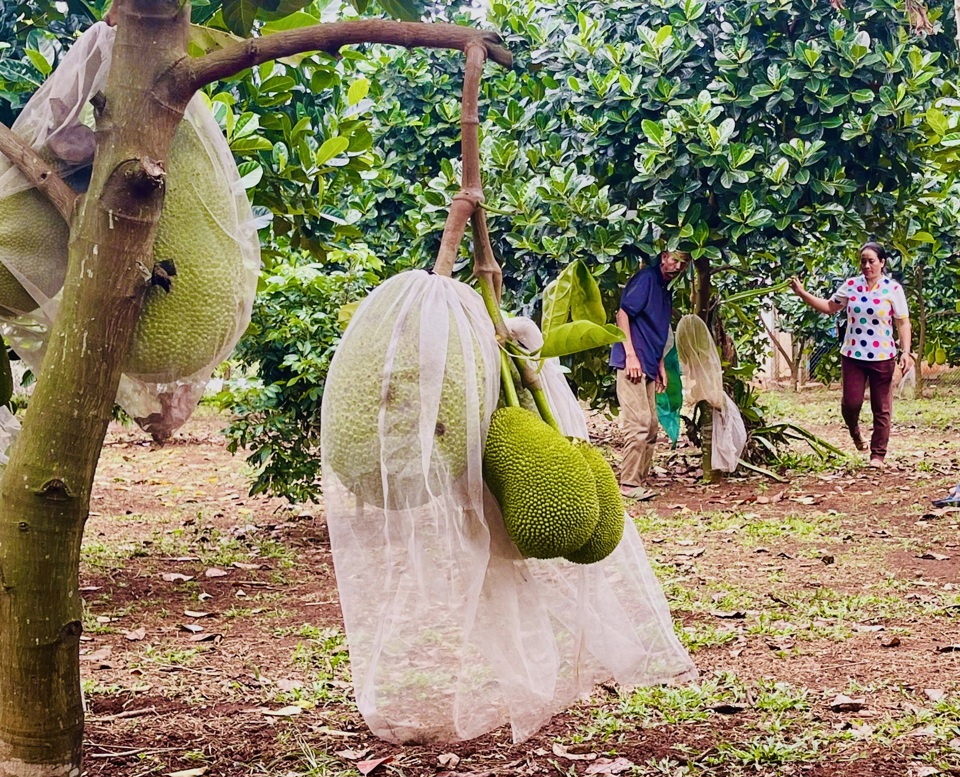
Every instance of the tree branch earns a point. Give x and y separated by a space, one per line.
38 172
191 74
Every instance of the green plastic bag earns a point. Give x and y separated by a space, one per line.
669 401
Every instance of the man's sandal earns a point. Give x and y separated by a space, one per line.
638 493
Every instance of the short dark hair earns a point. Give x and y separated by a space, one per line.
878 249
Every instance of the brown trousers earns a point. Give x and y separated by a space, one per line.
638 420
856 375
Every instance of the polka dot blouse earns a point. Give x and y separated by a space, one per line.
870 317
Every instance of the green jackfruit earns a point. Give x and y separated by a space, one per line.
183 330
543 484
180 331
33 243
356 402
609 531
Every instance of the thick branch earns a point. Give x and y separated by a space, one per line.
191 74
38 172
470 196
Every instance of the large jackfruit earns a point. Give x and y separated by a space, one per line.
609 531
371 434
543 484
185 329
33 244
179 331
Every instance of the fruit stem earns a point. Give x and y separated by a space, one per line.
530 379
506 381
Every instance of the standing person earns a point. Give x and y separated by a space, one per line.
874 304
644 317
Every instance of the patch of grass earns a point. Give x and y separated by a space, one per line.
704 635
168 657
667 704
324 658
769 750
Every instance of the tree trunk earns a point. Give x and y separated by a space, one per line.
46 486
922 333
702 288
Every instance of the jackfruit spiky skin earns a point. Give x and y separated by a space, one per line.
542 483
183 330
609 531
33 242
356 402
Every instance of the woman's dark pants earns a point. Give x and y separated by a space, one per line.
856 375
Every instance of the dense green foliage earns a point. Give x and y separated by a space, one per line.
283 363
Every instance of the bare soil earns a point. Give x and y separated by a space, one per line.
214 644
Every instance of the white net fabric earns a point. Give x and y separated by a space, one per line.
561 399
451 632
57 122
703 379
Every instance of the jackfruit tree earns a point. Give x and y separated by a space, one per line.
117 232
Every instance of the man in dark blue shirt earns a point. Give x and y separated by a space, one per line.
644 317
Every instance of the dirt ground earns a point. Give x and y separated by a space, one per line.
214 642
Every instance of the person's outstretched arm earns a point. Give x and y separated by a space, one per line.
828 306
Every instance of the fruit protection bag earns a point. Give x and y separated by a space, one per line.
703 376
561 399
451 633
207 232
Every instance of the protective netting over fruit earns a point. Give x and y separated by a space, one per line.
562 402
703 378
452 633
206 243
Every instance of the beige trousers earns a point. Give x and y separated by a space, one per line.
638 420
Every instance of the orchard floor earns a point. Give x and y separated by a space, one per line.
214 646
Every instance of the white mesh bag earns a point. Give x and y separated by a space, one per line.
703 377
451 632
561 399
206 206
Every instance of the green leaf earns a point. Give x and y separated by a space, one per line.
585 301
203 40
556 303
405 10
653 131
747 203
578 336
39 61
357 91
238 15
332 147
274 10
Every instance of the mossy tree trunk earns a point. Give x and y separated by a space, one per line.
47 483
46 487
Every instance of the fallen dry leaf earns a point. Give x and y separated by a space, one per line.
365 767
196 614
193 628
136 635
353 755
448 760
934 694
610 766
931 556
842 703
198 772
214 572
731 614
890 642
574 752
284 712
176 577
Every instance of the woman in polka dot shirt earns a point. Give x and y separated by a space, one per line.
875 306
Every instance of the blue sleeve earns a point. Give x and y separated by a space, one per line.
636 293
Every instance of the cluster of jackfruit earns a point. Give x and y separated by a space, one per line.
374 402
180 330
559 496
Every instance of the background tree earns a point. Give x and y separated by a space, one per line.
765 138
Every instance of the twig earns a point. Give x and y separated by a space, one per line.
135 751
121 715
38 172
